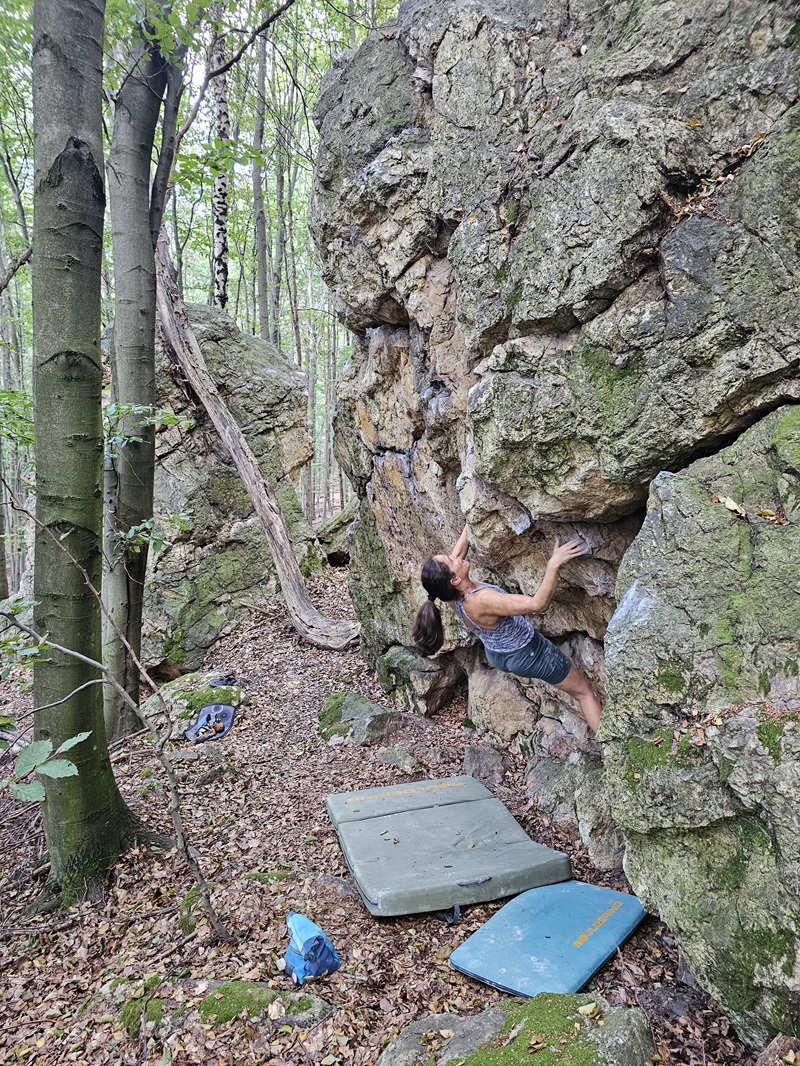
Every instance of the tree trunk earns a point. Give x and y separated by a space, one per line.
280 241
219 201
4 588
129 469
318 630
258 196
85 820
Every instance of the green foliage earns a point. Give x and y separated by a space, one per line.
39 756
121 420
16 416
186 910
157 532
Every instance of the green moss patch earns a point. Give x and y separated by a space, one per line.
230 999
130 1017
770 730
300 1006
547 1030
670 678
269 877
330 717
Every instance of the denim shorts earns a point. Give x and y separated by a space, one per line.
538 658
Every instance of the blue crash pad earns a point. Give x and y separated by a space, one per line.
213 722
549 939
434 845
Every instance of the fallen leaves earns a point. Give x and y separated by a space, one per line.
775 518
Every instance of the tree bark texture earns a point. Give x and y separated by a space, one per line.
85 820
258 196
219 200
179 336
129 470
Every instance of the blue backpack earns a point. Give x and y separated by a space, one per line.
310 953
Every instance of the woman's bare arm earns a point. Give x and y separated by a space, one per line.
488 606
461 545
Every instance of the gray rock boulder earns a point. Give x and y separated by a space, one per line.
701 734
565 237
201 579
562 236
565 1028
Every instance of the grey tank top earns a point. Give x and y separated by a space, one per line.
511 633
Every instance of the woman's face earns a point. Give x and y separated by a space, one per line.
459 568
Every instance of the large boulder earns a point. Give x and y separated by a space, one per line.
217 560
565 237
702 724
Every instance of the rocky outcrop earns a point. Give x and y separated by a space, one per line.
702 724
205 572
565 237
565 1028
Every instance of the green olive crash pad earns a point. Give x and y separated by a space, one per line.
435 845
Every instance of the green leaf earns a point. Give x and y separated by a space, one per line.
31 757
32 793
72 742
58 768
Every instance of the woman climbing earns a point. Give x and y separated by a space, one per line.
496 617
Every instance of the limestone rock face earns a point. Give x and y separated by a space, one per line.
198 583
565 237
562 235
701 725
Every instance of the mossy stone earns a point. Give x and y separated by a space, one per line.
228 1001
130 1016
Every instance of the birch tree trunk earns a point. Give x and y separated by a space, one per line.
85 820
316 628
219 201
129 471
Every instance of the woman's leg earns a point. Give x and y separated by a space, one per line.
576 685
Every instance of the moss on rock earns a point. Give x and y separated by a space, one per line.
549 1027
231 998
130 1016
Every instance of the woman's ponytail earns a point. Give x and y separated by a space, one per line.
428 631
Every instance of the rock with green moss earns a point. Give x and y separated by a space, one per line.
332 535
702 726
228 1000
424 685
369 722
217 559
558 1030
136 1011
181 700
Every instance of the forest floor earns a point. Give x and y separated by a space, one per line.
266 845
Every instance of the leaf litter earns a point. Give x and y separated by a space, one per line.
261 832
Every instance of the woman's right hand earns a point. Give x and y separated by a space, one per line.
564 553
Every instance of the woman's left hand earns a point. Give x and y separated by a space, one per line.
563 553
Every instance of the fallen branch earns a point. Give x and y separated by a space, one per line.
180 339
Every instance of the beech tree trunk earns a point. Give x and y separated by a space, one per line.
86 822
129 469
179 336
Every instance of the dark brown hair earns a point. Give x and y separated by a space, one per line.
428 632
